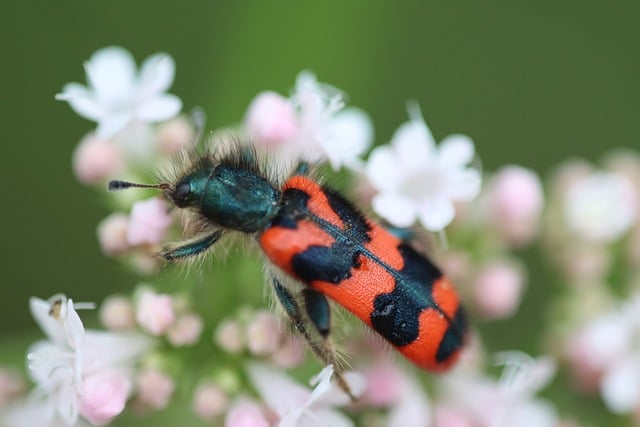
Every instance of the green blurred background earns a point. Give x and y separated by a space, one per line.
531 82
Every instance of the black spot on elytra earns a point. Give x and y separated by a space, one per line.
394 319
395 314
453 338
333 263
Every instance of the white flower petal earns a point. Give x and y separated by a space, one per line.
349 135
533 413
382 169
321 418
436 213
463 184
280 392
395 208
49 325
413 409
74 329
113 123
329 393
156 74
108 349
159 108
620 387
67 404
456 150
601 207
81 101
111 73
414 145
523 375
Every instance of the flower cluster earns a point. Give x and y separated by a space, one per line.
77 372
232 361
592 228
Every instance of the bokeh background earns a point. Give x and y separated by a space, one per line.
532 83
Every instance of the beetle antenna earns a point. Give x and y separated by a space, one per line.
116 185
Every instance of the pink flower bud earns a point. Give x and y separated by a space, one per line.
271 119
117 313
245 413
290 354
449 417
174 135
586 263
112 234
209 401
385 384
154 388
104 396
263 334
11 385
586 374
148 222
95 160
186 330
457 265
154 312
498 288
515 201
230 336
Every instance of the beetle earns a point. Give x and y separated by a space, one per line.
322 248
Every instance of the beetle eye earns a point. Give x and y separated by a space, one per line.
181 192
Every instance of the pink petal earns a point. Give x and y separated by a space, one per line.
245 413
271 119
104 396
95 160
155 312
148 222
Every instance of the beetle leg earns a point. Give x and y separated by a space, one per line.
191 247
317 307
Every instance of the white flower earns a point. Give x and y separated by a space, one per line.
296 406
326 132
118 95
511 401
601 207
620 387
418 180
609 344
59 365
413 409
30 413
311 125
